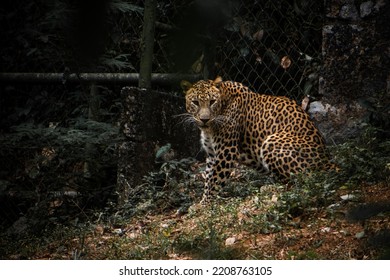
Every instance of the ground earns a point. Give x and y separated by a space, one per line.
269 221
343 214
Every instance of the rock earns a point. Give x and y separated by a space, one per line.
230 241
349 11
347 197
379 5
318 107
366 8
325 229
118 231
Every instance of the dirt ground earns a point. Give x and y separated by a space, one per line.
354 226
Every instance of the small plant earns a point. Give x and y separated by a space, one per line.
308 191
364 159
172 186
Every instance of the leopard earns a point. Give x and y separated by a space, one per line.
272 134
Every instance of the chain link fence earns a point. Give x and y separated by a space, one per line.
272 46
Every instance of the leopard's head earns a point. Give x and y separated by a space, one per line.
203 101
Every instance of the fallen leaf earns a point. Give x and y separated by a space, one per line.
285 62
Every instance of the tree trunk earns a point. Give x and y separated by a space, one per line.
147 43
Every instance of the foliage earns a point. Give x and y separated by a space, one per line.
55 169
43 33
172 186
365 158
51 146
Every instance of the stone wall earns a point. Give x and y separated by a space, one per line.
355 78
151 120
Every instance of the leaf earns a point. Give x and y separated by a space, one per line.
298 9
31 51
244 30
258 35
44 38
244 51
360 235
163 150
33 172
307 87
285 62
306 57
124 7
118 62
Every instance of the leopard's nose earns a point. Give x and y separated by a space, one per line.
204 115
204 120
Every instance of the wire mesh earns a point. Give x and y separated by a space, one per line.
272 46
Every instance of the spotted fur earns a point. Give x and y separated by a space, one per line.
269 133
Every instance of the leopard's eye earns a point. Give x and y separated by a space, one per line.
212 101
195 102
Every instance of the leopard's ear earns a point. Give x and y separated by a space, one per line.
185 85
217 80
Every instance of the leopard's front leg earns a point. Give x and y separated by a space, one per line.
218 169
209 186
